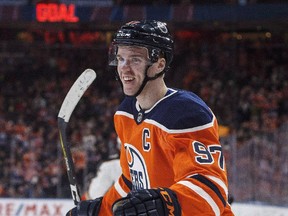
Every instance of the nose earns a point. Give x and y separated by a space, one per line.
124 65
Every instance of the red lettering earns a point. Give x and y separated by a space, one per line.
62 12
73 37
50 38
10 209
55 13
41 12
44 210
58 211
30 208
7 209
61 36
71 14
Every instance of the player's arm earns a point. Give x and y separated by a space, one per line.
200 173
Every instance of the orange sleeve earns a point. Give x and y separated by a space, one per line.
117 191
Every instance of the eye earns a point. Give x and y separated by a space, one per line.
135 60
119 59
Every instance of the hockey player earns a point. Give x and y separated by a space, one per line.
107 174
171 158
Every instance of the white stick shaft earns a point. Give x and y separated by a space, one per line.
75 93
71 100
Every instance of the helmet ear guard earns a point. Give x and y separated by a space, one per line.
154 54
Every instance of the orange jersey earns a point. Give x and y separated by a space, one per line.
174 144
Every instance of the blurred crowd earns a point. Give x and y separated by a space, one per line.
244 81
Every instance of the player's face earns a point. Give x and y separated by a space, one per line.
132 63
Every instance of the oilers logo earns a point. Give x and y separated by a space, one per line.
138 171
162 27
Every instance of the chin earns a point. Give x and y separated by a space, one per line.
128 91
128 94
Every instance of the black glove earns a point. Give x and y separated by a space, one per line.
148 202
86 208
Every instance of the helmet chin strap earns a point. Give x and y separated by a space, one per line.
146 79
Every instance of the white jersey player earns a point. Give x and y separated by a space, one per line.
107 174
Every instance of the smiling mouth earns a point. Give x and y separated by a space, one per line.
126 78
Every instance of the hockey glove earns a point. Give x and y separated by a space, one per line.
148 202
86 208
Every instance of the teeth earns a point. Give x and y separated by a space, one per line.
127 78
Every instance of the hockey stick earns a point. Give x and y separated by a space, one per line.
71 100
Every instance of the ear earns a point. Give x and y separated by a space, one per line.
161 64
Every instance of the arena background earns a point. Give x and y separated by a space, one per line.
232 53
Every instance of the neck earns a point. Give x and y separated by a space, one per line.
152 93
